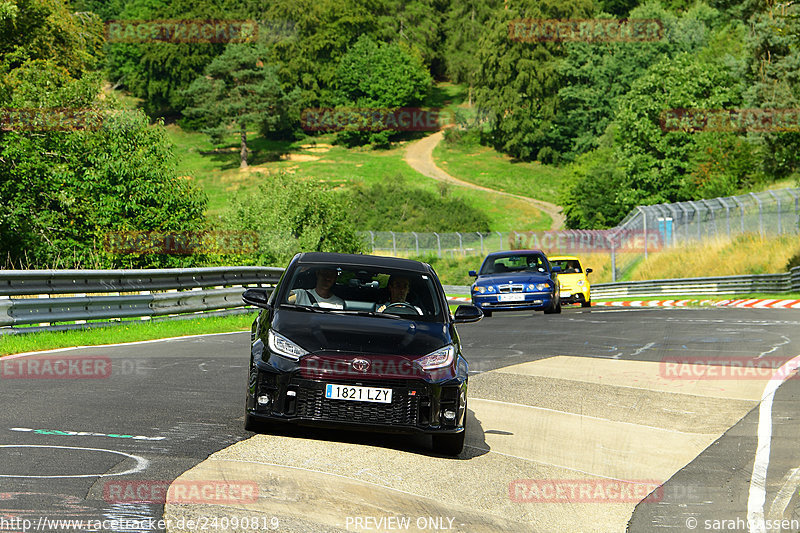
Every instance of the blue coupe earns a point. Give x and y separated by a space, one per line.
516 280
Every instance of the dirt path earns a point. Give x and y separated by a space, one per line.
419 155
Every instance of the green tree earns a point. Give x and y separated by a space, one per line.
464 25
64 191
518 81
291 216
49 29
238 91
378 75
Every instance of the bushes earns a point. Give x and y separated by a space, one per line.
395 206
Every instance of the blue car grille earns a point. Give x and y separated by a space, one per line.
511 288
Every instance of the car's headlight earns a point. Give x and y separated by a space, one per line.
581 283
542 286
439 359
489 289
284 347
480 289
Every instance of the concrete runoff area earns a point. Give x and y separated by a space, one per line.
520 439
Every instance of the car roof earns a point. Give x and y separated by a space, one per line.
362 260
520 252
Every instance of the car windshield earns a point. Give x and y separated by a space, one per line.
568 266
498 264
374 291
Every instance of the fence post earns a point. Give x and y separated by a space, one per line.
372 240
460 243
613 262
438 244
480 235
741 210
727 215
644 214
790 191
500 235
777 199
416 240
394 244
760 214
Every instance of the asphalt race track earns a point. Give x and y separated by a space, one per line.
597 419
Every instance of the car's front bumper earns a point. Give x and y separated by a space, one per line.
569 296
417 406
536 301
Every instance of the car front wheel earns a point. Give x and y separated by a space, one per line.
586 304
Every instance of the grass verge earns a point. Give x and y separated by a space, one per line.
129 331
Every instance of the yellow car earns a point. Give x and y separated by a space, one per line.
574 284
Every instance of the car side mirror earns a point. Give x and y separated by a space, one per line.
588 270
556 269
257 297
473 273
467 313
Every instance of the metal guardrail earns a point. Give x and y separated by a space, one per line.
769 283
723 285
185 291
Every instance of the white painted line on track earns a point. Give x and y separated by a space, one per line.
141 462
132 343
784 496
758 481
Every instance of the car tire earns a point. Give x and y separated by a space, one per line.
553 309
586 304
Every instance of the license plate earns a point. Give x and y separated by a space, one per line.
565 294
511 297
358 394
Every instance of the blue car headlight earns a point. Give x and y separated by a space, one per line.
490 289
479 289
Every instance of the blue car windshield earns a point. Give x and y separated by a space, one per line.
499 264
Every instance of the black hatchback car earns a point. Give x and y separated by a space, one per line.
362 342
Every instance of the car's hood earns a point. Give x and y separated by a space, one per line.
569 279
512 277
353 334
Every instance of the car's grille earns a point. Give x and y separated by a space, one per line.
311 403
511 288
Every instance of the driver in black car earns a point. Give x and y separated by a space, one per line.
398 292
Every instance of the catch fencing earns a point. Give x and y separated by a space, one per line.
646 229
